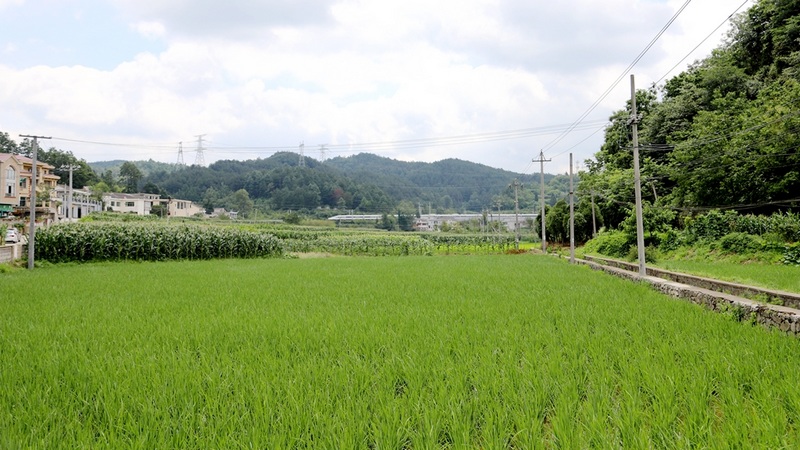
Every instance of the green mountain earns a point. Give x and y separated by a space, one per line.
146 167
362 183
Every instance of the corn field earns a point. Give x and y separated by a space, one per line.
97 241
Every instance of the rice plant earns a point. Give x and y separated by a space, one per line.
418 352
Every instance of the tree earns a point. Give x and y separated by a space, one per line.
152 188
386 222
131 176
240 201
61 160
7 145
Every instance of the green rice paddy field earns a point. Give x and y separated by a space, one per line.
484 352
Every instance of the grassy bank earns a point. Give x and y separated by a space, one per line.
417 352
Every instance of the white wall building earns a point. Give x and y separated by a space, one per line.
140 204
78 205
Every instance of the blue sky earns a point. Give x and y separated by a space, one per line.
130 79
92 33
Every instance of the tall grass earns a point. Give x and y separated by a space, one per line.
781 277
418 352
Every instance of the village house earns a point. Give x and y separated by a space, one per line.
142 204
77 205
15 180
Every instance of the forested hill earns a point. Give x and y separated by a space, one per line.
449 183
363 183
722 134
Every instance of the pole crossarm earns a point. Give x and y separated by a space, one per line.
541 161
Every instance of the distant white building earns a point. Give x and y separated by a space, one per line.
183 208
141 204
80 204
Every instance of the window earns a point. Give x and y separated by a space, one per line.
129 204
11 182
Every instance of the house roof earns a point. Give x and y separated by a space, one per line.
24 160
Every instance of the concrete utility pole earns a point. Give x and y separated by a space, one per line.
32 230
516 185
594 223
541 160
634 121
68 212
571 215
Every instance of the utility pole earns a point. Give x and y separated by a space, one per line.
516 185
69 193
199 159
571 215
322 150
634 121
32 230
541 160
594 223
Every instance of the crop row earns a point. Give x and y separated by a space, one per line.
470 242
149 242
364 245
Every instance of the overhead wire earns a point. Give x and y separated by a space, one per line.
616 82
730 16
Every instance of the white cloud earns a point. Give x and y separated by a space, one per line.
10 3
275 73
150 29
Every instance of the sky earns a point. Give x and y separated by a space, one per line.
494 82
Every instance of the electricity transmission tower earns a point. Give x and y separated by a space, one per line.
180 154
302 161
199 159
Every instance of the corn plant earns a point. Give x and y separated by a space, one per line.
153 241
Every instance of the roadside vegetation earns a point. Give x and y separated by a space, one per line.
453 352
758 250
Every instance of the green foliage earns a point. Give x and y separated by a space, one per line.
153 241
111 216
292 218
791 255
711 226
611 243
130 175
738 242
721 134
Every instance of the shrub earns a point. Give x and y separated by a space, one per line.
791 255
670 241
741 243
612 243
711 226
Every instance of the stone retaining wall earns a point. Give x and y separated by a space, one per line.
789 299
781 317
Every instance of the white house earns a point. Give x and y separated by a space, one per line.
183 208
77 205
140 204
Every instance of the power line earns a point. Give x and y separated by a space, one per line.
617 81
730 16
